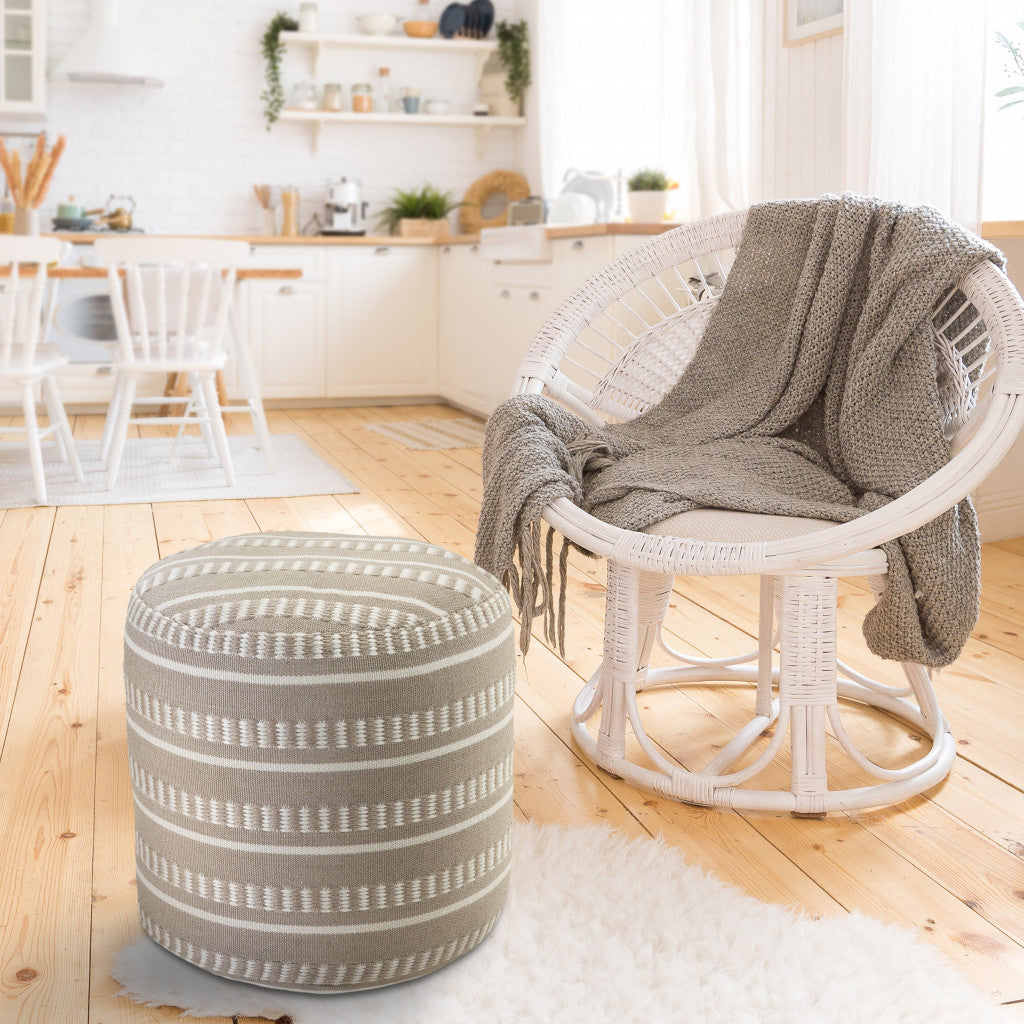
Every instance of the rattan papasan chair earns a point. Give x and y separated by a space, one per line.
614 348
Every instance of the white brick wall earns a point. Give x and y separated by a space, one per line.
190 152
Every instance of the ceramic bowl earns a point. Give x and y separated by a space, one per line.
377 24
437 106
420 29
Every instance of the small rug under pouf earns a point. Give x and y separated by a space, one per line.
433 435
148 473
599 928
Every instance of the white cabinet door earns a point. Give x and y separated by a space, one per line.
22 58
467 331
382 339
287 325
527 294
521 311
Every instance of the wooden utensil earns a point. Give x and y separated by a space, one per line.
29 193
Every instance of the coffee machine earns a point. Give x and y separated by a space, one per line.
345 212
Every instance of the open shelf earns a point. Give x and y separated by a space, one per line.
389 42
478 49
348 117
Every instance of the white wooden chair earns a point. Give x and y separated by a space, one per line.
171 299
613 349
25 362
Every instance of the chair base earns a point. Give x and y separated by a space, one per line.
799 696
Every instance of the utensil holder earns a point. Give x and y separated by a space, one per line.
26 222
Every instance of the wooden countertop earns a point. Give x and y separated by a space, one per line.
1002 229
581 231
98 273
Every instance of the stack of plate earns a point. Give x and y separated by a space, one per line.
469 21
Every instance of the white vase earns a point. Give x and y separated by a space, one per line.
647 207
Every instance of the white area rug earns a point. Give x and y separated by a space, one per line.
600 929
433 435
194 475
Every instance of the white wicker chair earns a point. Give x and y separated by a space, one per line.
611 350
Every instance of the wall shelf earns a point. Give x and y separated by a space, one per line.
480 49
318 118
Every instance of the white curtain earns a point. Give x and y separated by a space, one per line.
650 83
914 97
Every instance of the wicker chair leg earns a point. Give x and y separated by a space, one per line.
654 591
621 657
807 681
766 646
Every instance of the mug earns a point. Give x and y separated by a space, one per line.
411 104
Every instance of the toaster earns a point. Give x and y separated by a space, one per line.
526 211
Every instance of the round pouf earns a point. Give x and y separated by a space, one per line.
320 745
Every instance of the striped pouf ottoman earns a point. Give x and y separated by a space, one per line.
320 745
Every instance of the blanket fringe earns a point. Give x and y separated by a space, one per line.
533 588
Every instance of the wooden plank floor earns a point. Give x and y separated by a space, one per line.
949 866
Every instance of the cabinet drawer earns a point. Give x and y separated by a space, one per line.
310 259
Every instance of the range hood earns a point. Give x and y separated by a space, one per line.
103 54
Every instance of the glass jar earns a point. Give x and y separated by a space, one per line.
362 98
334 96
309 18
303 96
6 214
384 91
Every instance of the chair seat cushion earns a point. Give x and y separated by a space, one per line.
727 527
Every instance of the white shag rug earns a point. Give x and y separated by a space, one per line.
148 474
433 435
599 929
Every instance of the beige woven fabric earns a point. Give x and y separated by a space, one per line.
320 745
812 393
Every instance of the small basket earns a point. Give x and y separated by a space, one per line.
423 227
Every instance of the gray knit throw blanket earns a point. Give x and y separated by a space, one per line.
812 393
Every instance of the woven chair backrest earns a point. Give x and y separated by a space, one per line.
171 297
618 344
23 295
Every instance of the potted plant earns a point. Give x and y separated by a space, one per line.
648 195
418 213
273 49
514 55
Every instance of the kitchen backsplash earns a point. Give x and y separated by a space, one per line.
190 152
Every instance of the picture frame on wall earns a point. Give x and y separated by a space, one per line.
807 20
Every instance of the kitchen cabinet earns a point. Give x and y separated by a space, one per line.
361 322
491 311
287 323
382 338
465 328
22 58
287 328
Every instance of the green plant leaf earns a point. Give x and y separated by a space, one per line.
514 54
272 49
648 179
1010 90
428 202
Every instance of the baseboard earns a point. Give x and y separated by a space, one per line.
1000 515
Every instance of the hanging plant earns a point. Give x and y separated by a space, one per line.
272 49
514 54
